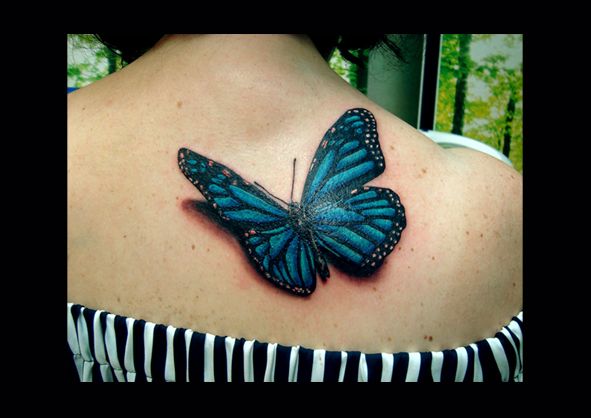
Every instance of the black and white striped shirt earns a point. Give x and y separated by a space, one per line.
108 347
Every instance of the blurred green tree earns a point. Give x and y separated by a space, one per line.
89 60
494 118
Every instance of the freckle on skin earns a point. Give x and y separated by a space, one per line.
412 249
392 147
179 104
467 232
193 246
481 235
430 338
424 170
124 236
433 258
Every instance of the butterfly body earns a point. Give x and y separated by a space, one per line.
338 217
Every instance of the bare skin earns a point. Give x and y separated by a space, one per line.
254 103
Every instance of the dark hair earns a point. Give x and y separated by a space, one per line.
131 47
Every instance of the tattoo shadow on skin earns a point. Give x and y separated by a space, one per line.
200 209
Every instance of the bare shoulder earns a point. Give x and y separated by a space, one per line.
491 254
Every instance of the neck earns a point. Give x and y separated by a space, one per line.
264 82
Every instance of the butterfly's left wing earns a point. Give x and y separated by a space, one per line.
359 225
260 223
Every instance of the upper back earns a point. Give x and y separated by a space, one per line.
136 246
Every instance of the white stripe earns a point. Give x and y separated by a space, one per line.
462 364
229 343
73 341
436 365
169 373
84 343
208 373
362 373
99 349
318 361
477 366
294 360
517 362
248 362
343 366
270 368
148 343
500 357
387 367
111 343
188 335
128 358
414 366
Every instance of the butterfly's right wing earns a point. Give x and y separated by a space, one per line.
360 228
259 223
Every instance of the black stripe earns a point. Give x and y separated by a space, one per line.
490 370
180 355
449 366
400 367
75 313
517 345
88 315
121 338
352 368
305 361
282 355
374 367
220 365
469 376
158 353
332 366
425 374
103 325
509 352
196 354
259 360
238 361
139 354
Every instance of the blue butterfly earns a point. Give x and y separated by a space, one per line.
355 226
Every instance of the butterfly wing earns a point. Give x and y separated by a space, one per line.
260 223
349 156
360 228
358 225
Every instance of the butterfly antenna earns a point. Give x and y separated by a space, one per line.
292 181
271 194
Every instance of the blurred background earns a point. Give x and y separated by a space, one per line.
459 89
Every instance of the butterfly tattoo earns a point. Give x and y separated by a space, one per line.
338 217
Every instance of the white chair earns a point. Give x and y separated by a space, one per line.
448 140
